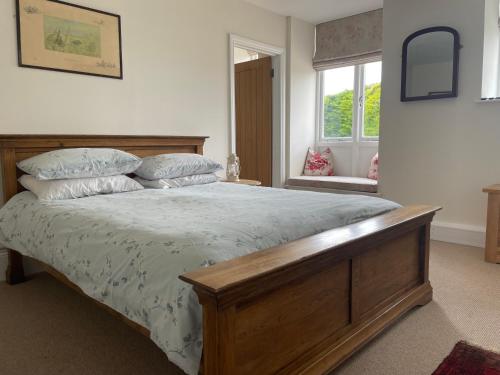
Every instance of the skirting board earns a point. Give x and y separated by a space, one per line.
462 234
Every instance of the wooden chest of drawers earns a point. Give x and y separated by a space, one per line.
492 246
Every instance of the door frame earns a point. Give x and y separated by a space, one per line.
279 95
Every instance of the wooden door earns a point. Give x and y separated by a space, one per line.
253 97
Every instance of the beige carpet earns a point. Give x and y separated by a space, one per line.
45 328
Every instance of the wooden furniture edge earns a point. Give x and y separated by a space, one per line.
495 189
233 273
492 240
244 181
17 137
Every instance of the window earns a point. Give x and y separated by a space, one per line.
491 47
371 99
350 103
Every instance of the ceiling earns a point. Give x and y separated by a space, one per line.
317 11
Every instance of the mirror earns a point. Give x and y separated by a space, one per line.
430 64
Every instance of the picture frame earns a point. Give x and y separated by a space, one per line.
59 36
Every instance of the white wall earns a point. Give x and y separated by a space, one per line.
439 152
176 79
175 56
301 98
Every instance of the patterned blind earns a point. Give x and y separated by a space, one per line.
349 41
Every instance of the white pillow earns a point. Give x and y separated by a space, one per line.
79 187
176 165
80 163
165 183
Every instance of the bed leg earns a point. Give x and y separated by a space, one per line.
15 269
426 300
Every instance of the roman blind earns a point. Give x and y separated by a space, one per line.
349 41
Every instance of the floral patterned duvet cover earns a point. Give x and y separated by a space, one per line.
127 250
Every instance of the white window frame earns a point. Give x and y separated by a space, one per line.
357 115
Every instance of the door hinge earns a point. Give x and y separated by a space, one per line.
272 73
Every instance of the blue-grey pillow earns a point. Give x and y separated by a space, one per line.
49 190
176 165
80 163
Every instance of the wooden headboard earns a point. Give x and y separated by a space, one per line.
14 148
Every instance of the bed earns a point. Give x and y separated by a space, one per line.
309 298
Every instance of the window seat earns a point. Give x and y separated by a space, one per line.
351 184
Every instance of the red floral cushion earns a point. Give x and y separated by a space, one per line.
319 163
373 171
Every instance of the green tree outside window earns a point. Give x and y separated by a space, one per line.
338 113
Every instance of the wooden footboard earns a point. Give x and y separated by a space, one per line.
305 307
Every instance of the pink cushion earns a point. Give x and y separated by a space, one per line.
319 163
373 171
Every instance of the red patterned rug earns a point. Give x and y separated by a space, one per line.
466 359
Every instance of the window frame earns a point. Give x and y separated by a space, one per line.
358 109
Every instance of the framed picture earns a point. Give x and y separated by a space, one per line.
55 35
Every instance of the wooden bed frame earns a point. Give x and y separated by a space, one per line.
300 308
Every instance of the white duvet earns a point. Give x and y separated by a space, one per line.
127 250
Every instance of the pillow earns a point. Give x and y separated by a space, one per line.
319 163
78 188
80 163
198 179
373 171
175 165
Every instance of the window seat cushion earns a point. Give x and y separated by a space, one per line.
360 184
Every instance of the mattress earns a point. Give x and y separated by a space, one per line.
127 250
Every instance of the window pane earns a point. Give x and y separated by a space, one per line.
338 102
373 79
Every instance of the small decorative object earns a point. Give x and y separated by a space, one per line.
319 163
373 171
430 64
233 168
55 35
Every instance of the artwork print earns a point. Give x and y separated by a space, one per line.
59 36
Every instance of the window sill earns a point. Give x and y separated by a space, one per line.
350 184
488 100
369 142
324 143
